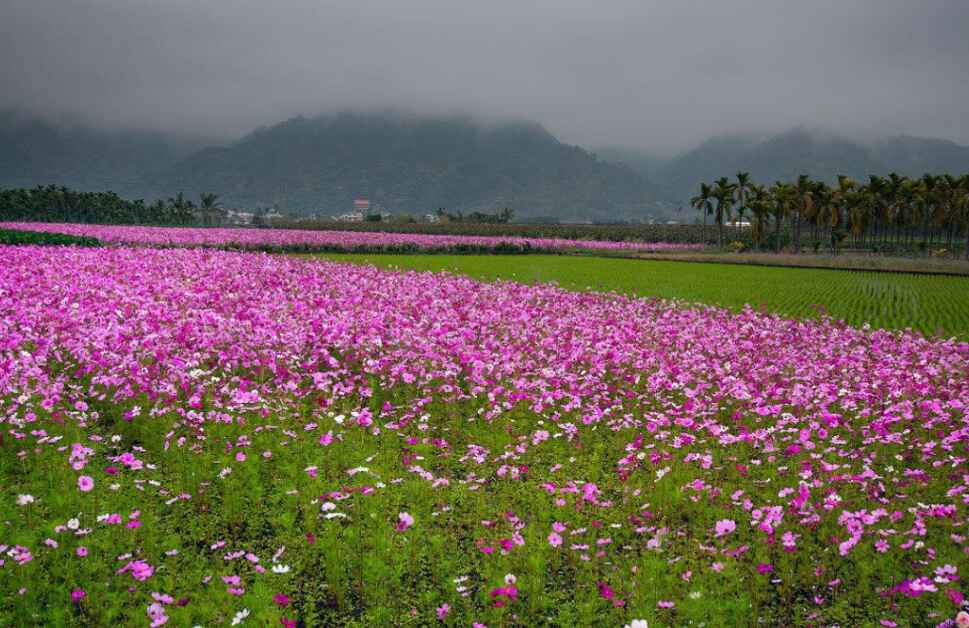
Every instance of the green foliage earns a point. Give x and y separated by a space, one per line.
11 236
891 213
502 216
59 204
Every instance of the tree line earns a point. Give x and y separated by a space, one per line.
499 217
885 213
53 203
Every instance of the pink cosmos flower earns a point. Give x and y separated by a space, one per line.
725 527
404 521
554 539
443 610
140 570
504 595
20 554
85 483
77 595
156 613
81 551
281 599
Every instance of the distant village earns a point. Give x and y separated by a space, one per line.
362 211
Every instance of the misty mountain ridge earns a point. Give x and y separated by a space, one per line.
39 151
407 162
784 156
410 163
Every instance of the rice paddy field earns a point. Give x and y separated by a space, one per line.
202 437
932 304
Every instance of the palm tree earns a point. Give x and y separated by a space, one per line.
961 206
782 193
802 197
742 187
760 202
183 210
843 198
723 193
210 208
702 203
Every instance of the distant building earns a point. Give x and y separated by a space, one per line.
234 217
350 217
361 209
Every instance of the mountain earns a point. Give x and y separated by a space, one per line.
36 151
787 155
416 164
408 163
650 166
914 156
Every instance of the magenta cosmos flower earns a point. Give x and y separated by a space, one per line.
443 610
404 521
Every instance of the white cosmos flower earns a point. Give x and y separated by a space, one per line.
241 615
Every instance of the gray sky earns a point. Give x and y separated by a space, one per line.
659 74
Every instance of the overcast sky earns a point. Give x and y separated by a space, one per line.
658 74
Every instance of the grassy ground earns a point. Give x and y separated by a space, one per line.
804 260
931 304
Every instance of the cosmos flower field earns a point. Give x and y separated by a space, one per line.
341 241
206 437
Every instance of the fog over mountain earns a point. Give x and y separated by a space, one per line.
784 156
412 163
627 104
660 75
